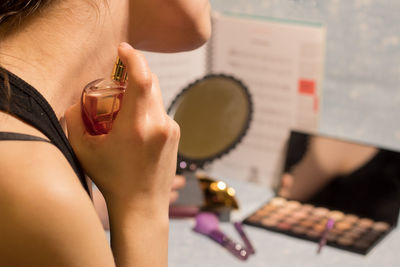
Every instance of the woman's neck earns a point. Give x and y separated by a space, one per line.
59 55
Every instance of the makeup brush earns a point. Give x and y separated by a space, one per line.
239 228
328 227
207 224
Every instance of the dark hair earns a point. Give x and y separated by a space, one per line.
12 15
5 91
14 12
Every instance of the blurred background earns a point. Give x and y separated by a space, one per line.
361 86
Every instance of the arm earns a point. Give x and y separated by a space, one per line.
47 217
101 205
133 166
319 165
49 220
324 160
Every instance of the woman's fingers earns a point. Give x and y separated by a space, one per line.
140 82
139 155
178 182
157 100
173 196
286 185
142 108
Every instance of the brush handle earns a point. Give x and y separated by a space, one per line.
328 227
243 235
235 248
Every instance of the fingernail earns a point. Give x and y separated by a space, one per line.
125 45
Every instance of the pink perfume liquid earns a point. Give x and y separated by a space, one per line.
101 102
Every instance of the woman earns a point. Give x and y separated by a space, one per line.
342 175
49 50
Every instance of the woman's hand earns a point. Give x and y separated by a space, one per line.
137 160
177 184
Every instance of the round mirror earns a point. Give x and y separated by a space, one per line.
214 114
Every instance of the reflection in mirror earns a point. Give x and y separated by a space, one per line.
213 114
340 175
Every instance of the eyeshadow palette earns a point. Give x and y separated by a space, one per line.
349 232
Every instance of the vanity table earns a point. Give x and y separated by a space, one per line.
189 249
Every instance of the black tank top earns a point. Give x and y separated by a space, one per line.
26 103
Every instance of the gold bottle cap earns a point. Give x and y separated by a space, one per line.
119 73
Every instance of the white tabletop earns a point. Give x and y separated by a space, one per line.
190 249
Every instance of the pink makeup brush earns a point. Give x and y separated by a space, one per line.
328 227
207 224
239 228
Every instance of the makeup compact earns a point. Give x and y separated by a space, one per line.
214 114
334 192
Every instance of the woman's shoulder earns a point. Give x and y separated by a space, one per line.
29 161
9 123
34 165
45 210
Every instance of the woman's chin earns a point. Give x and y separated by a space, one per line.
170 44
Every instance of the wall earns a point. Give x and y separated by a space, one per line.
361 89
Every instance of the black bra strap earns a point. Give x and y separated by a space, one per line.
21 137
27 104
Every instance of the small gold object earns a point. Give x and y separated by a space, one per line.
217 194
119 72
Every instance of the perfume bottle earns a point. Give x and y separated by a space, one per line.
101 100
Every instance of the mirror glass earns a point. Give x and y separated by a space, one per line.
213 114
341 175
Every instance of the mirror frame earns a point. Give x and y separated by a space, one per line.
194 164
